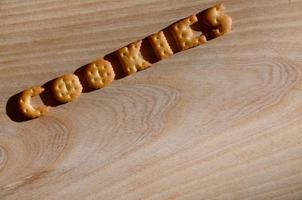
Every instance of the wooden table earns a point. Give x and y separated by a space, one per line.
220 121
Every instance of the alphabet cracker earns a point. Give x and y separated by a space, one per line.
67 88
25 103
183 34
217 20
99 73
132 59
160 45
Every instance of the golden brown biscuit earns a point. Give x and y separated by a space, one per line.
217 20
132 59
99 73
184 35
67 88
160 45
25 103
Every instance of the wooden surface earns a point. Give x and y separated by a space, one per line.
221 121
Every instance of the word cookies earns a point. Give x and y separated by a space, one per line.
100 73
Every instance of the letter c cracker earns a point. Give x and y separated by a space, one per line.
25 103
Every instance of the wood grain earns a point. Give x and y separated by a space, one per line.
220 121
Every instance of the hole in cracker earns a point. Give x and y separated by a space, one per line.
68 86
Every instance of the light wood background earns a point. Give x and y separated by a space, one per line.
220 121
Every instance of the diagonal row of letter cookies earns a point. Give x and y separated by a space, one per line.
101 73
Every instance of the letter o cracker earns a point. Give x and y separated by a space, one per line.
67 88
99 73
25 103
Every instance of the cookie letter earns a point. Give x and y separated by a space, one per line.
132 59
160 45
25 103
183 34
99 73
216 19
67 88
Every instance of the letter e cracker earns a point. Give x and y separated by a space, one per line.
183 34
